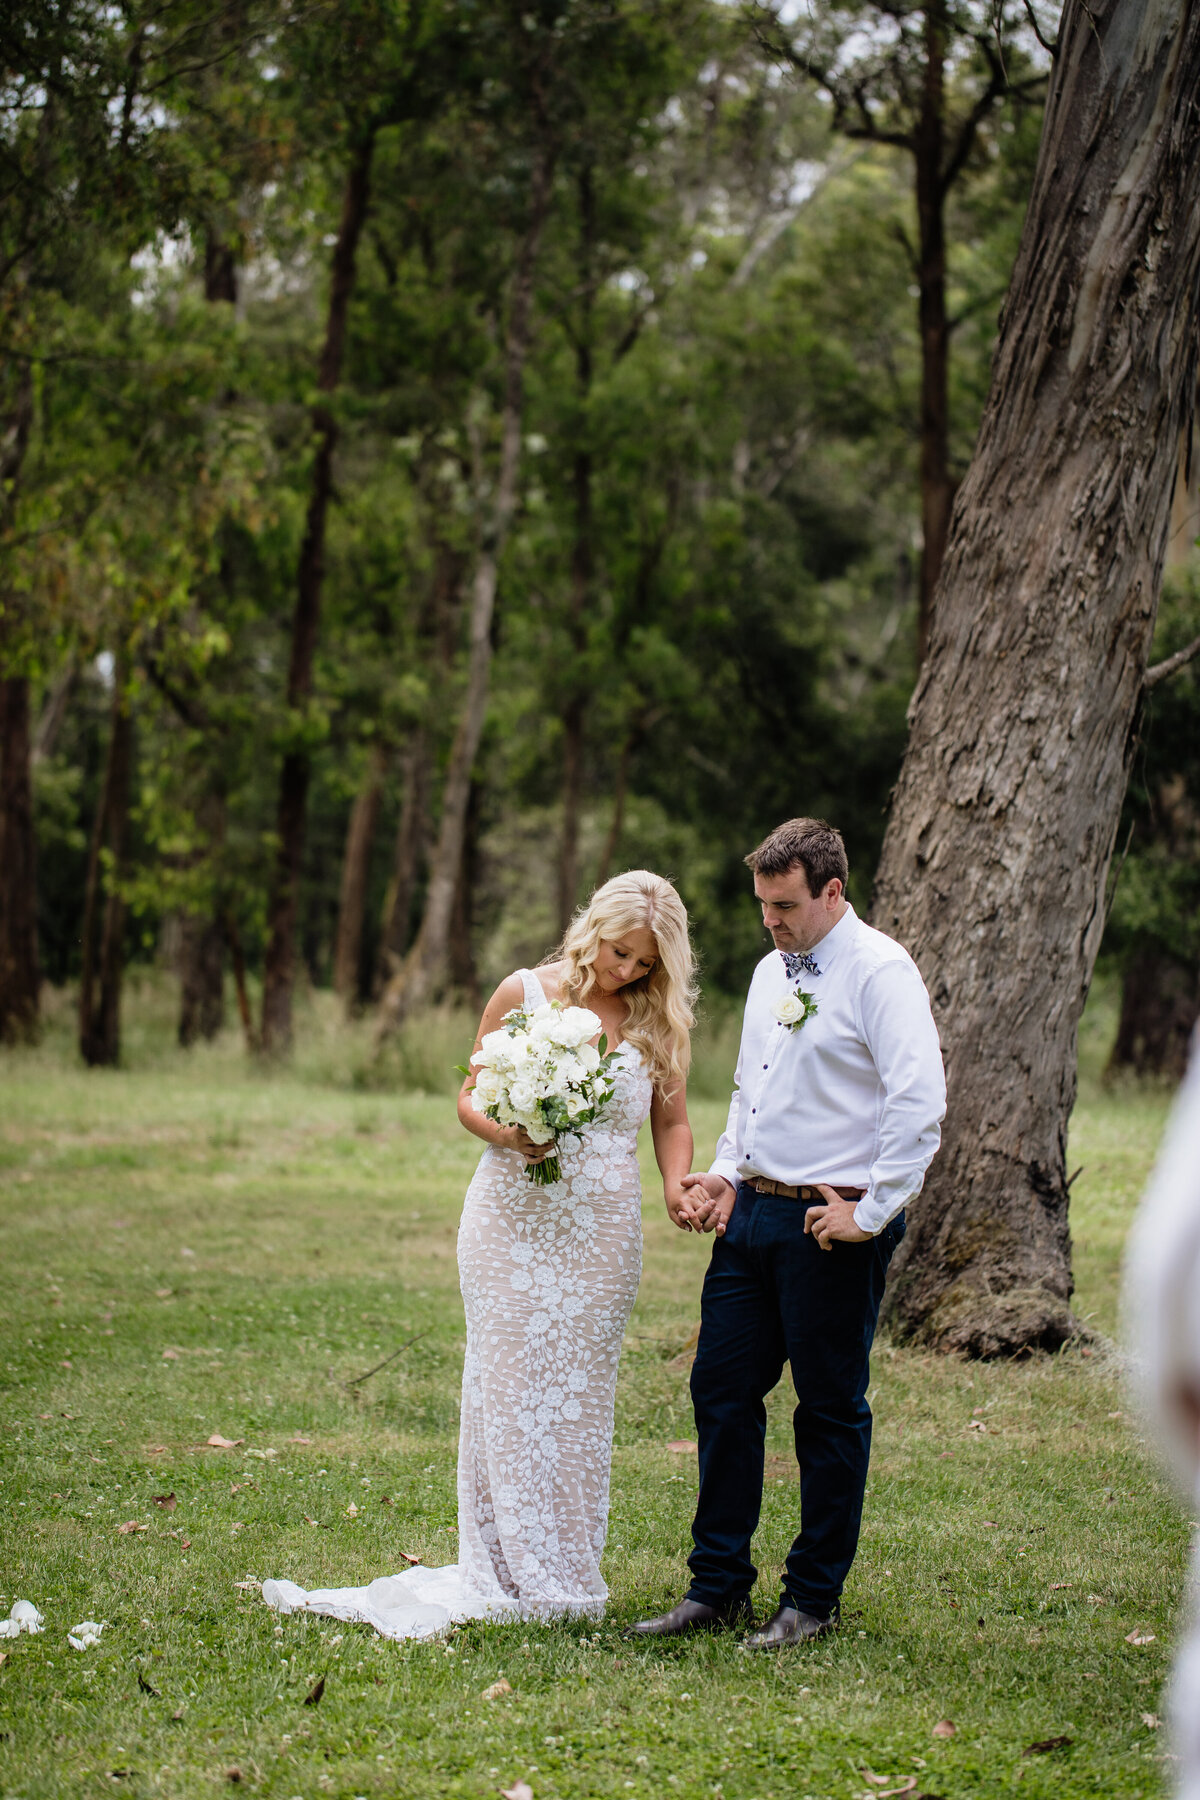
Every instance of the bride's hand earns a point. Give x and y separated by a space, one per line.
515 1137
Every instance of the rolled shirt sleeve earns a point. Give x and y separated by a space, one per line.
898 1028
725 1157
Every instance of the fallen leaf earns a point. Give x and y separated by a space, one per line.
249 1586
233 1774
45 1415
520 1790
386 1500
167 1502
146 1688
945 1728
977 1425
409 1558
907 1787
1150 1721
1045 1745
170 1356
155 1449
876 1780
163 1293
313 1696
352 1511
308 1520
497 1688
1138 1636
3 1656
297 1439
177 1715
989 1524
945 1454
129 1527
217 1442
186 1544
681 1447
1055 1585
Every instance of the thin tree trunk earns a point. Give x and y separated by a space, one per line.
356 863
238 961
201 955
412 838
464 974
103 935
937 490
582 565
994 865
617 823
1160 1003
424 966
54 710
279 968
19 977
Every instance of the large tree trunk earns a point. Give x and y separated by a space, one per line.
937 489
100 1020
356 865
279 966
202 978
995 861
18 878
423 969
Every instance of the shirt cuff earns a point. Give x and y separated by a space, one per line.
875 1211
728 1171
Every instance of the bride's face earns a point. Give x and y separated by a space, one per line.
624 959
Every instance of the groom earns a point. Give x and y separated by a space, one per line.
835 1117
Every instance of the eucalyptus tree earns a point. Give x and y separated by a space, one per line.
996 857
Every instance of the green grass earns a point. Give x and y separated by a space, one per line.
280 1235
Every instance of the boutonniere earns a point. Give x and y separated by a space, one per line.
795 1009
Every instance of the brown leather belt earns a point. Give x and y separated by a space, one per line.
784 1191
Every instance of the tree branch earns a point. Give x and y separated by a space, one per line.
1052 44
1170 665
969 129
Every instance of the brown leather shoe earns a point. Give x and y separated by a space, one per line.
692 1615
787 1626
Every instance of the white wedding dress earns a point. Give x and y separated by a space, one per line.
549 1276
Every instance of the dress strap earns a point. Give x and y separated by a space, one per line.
535 993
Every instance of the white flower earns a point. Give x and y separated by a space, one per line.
789 1009
522 1095
588 1057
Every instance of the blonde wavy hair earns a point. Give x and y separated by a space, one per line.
660 1016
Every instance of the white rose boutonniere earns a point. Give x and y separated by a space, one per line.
795 1009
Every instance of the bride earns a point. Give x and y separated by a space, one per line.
549 1276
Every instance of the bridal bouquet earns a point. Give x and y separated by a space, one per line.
541 1072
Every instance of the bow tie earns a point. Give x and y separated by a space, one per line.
797 965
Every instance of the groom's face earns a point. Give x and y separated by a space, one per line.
795 918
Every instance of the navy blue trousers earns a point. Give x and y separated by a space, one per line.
772 1295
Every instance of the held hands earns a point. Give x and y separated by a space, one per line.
701 1203
833 1222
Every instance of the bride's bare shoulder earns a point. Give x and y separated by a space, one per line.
550 976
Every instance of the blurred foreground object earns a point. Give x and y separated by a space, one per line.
1162 1325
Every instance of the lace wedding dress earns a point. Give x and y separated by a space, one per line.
549 1276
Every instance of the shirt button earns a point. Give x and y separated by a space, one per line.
754 1109
764 1066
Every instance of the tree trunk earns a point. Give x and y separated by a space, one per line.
279 967
237 958
100 1022
54 710
202 978
356 863
1160 1003
18 877
464 974
937 490
994 865
617 823
412 835
414 984
582 565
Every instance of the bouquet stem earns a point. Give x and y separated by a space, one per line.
543 1173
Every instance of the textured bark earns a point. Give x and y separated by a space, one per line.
279 965
356 864
19 978
464 972
100 1016
424 967
937 487
994 866
1160 1003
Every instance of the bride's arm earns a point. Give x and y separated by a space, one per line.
510 993
673 1151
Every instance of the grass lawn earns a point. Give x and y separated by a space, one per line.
190 1248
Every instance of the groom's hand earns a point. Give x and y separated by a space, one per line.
712 1199
834 1222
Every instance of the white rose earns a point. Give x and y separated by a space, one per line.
789 1010
495 1050
487 1088
522 1096
574 1026
540 1133
588 1057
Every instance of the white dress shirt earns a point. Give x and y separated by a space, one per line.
855 1096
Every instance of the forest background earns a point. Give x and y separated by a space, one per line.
451 452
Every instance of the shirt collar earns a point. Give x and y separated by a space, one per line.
831 945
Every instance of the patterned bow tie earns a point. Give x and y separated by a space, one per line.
797 965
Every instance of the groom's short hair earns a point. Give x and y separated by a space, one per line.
808 844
